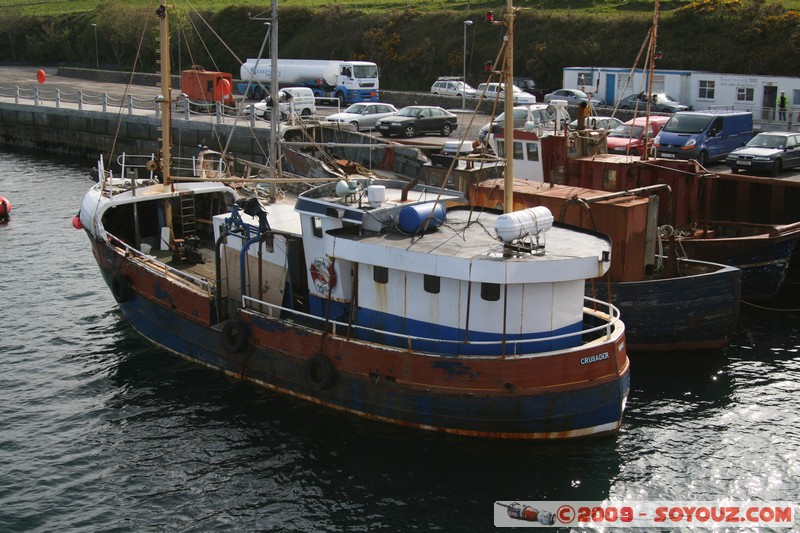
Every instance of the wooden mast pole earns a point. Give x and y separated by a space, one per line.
508 128
166 97
651 55
166 117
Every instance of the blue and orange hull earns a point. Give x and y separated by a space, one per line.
578 392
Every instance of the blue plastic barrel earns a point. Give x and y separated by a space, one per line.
421 217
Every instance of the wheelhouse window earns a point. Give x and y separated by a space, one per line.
518 150
432 284
490 291
706 89
380 274
501 148
316 226
533 151
744 94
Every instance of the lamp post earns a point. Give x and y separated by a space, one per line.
96 54
464 86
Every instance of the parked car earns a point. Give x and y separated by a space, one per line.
492 89
531 86
661 103
363 115
299 99
597 123
628 138
769 151
453 88
572 96
532 116
412 120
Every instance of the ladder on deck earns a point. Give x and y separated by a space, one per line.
186 215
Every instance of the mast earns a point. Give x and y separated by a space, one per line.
508 127
274 126
651 56
166 97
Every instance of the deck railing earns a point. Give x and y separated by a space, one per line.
161 267
344 329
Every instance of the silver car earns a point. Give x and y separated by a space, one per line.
597 123
770 151
572 96
660 103
364 115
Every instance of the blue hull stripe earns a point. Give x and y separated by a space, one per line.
417 328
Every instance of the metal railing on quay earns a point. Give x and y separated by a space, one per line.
185 108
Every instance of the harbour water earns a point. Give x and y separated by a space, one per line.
101 432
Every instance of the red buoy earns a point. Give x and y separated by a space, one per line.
5 209
41 76
76 222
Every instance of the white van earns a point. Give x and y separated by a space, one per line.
299 100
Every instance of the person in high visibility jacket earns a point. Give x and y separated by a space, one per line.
783 103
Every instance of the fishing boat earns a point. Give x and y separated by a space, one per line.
387 299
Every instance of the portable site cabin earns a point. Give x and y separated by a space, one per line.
700 90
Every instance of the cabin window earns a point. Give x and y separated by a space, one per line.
501 148
490 291
518 150
533 151
316 225
795 97
610 179
706 89
380 274
585 78
744 94
431 284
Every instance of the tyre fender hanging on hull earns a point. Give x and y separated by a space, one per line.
235 336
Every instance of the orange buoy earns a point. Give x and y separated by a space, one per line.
41 76
5 209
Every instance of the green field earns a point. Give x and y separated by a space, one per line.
610 7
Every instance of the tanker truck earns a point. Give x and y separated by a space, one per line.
346 81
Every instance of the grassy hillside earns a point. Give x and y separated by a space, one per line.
413 46
62 7
607 7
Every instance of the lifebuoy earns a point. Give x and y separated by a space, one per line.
234 336
323 274
121 288
320 372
